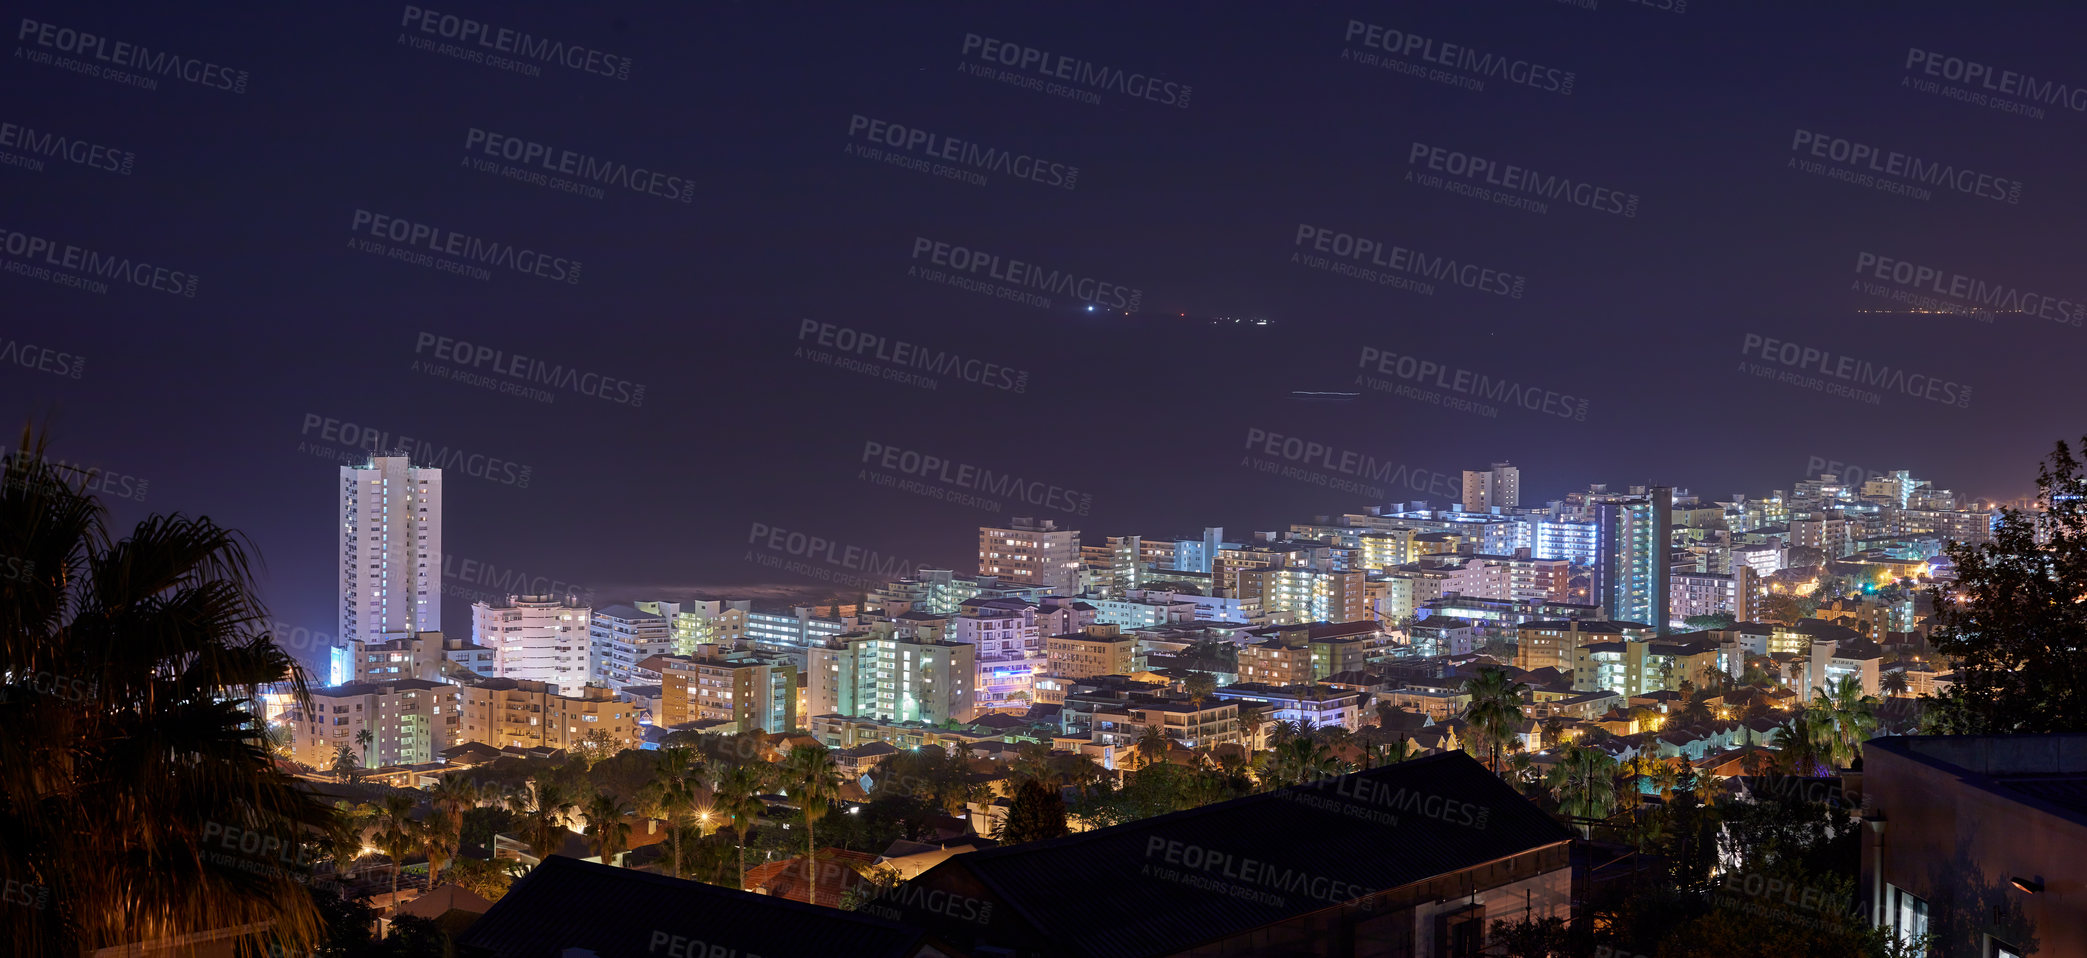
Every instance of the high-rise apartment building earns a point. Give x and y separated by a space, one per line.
390 552
1497 487
1307 595
1032 552
621 636
719 622
791 630
1116 567
892 678
1632 571
1008 652
536 638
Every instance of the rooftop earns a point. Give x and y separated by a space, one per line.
565 904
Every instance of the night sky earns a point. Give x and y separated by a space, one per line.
748 107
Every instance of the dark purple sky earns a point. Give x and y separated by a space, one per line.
1198 208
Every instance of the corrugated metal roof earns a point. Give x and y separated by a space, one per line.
566 903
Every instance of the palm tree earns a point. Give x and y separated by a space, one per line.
453 794
674 792
439 837
1797 745
1496 708
1298 761
345 765
143 746
1252 715
1032 761
739 801
816 780
1152 747
343 843
1846 717
1585 782
1894 682
543 807
397 837
607 832
1554 731
365 738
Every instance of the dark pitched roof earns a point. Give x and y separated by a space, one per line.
1096 894
565 903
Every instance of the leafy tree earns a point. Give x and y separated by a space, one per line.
1803 557
1496 708
1199 686
1715 621
1037 813
877 882
1151 791
595 746
1788 608
487 878
2013 619
1032 761
415 937
345 924
480 824
1532 938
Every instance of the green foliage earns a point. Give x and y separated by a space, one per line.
930 774
481 824
2014 618
1036 813
1532 938
1495 709
1786 608
487 878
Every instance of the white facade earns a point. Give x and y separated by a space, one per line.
1032 552
536 638
1009 653
390 551
622 637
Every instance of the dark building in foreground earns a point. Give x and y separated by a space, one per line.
1978 840
566 908
1413 860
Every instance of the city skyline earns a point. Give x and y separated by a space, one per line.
583 426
